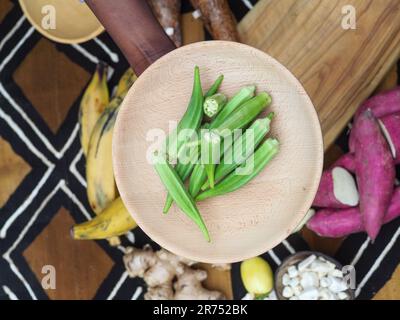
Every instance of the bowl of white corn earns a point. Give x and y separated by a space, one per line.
310 275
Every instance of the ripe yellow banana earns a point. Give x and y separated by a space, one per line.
101 188
126 81
114 221
94 101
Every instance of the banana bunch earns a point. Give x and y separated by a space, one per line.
113 221
112 217
94 101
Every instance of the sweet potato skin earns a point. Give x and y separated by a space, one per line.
382 104
347 161
392 125
325 197
375 171
332 223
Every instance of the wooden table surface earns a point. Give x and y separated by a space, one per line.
337 83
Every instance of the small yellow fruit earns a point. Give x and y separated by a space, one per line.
257 276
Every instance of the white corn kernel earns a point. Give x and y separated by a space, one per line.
336 273
294 282
325 294
343 295
337 285
287 292
325 282
297 290
309 279
285 279
306 262
320 267
310 293
331 265
292 271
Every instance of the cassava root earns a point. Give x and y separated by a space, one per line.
218 19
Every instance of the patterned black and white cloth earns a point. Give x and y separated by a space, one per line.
57 179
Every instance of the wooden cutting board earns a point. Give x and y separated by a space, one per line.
339 68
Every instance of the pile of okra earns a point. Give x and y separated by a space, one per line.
214 159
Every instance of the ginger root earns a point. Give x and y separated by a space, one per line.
188 286
167 276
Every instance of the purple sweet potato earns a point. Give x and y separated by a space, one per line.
382 104
347 161
339 223
337 189
390 126
375 171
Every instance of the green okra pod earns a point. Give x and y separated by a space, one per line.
237 154
178 192
210 153
214 88
234 181
199 173
214 104
191 119
245 114
244 94
183 169
197 178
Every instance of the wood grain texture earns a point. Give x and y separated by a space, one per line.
390 80
294 174
338 68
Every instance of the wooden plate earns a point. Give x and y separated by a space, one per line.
75 23
251 220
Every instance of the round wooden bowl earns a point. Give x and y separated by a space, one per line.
75 22
251 220
296 258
